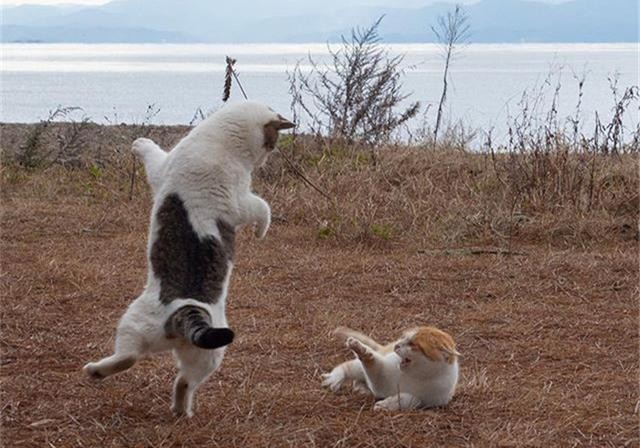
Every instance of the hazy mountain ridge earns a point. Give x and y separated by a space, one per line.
39 34
292 21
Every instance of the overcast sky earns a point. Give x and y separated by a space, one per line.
52 2
406 3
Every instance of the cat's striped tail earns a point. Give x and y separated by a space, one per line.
194 324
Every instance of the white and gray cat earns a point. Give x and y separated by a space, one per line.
202 194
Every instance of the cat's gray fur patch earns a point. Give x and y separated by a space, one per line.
189 266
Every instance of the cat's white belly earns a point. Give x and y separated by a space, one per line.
436 391
431 391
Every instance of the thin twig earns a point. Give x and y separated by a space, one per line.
295 169
303 177
235 76
226 90
133 177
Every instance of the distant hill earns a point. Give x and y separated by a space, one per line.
97 34
297 21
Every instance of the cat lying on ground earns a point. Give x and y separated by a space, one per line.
202 195
418 370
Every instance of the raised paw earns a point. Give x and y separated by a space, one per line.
354 344
260 213
359 349
141 145
261 230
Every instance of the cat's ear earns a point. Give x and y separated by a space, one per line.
451 351
282 123
436 344
271 130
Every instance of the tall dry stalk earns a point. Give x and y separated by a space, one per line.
226 91
452 31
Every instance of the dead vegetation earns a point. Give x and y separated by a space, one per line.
357 96
537 284
525 251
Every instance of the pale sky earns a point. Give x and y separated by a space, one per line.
53 2
98 2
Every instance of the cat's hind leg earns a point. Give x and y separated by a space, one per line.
130 345
153 158
350 370
109 366
127 352
194 366
399 402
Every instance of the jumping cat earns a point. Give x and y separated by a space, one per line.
419 370
202 195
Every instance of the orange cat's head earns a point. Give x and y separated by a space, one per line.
426 342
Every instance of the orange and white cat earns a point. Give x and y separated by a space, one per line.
419 370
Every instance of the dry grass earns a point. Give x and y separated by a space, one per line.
549 337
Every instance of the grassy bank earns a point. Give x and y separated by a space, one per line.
424 196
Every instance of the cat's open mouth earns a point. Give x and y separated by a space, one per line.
404 362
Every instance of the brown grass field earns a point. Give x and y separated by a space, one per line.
548 327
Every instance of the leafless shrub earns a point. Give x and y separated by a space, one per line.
613 131
72 142
549 163
150 114
357 95
38 151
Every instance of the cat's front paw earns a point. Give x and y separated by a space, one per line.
333 380
92 371
261 229
142 145
260 213
354 344
359 349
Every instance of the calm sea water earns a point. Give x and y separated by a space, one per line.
116 83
